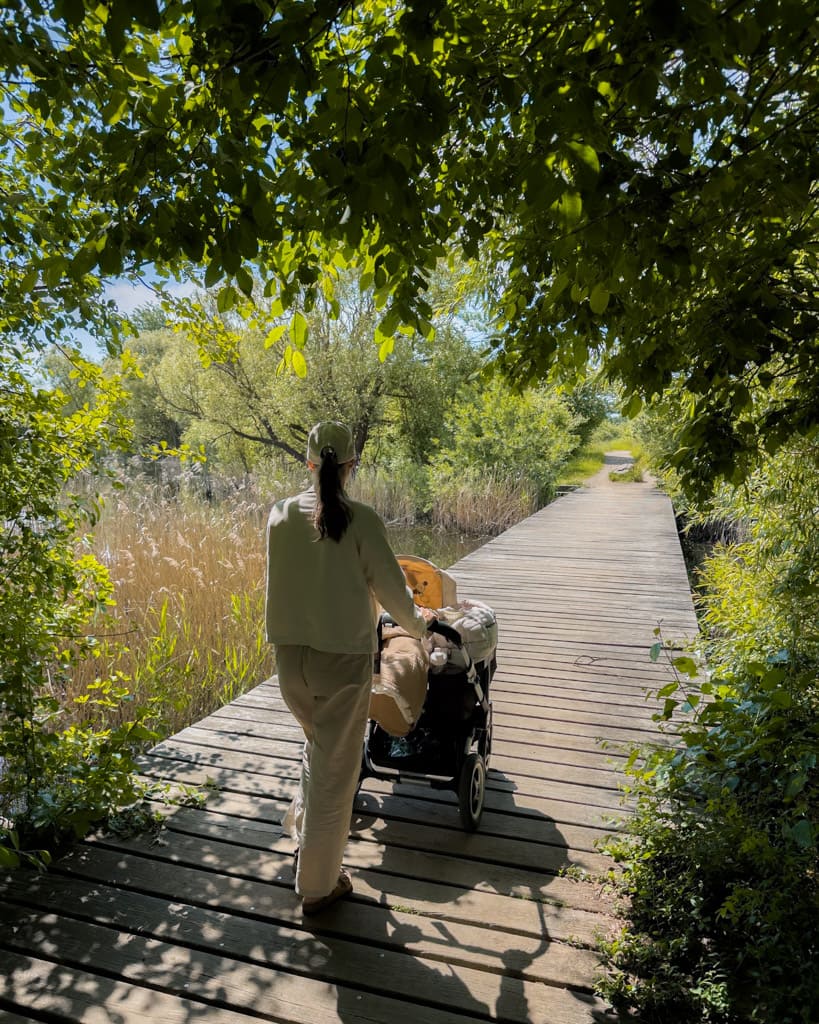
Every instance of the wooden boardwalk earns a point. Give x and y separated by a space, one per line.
201 923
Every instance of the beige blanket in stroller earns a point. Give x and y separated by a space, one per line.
399 689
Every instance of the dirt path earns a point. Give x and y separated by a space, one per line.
611 460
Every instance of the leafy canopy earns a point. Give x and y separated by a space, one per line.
641 176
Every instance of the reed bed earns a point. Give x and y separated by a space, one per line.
186 634
487 504
186 558
400 494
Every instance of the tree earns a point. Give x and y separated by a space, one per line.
54 779
221 373
643 174
529 435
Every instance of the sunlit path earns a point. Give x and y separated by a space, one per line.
444 926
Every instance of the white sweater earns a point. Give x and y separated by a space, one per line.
325 594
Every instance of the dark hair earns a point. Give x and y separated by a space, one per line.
332 515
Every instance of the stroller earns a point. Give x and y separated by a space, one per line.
448 746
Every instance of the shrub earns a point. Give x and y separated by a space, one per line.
524 437
721 855
55 777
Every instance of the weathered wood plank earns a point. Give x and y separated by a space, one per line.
66 901
443 926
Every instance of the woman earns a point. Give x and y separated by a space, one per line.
329 565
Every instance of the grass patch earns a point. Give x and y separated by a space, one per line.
609 437
632 474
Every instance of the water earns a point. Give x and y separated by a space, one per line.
439 547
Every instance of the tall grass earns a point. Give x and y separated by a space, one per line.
399 493
488 503
186 632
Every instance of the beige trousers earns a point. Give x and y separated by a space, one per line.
329 694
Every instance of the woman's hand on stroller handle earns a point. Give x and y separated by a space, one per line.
447 632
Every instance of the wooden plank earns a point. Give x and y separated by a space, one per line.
233 821
53 991
215 973
65 902
568 825
502 772
443 926
266 763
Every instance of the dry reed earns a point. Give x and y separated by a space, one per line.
186 632
188 582
485 504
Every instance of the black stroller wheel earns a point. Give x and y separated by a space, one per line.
471 790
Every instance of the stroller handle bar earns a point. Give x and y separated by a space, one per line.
433 626
447 632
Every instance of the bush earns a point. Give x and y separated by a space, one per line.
55 779
721 855
524 437
721 863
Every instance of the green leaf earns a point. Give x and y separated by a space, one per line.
8 858
116 108
30 279
274 334
146 12
654 654
686 666
632 407
299 364
586 155
570 207
796 783
226 299
117 24
213 273
245 281
802 834
595 40
298 329
599 298
668 708
389 324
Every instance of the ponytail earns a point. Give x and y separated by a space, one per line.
332 515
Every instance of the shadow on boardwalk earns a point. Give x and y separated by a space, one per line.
470 918
443 927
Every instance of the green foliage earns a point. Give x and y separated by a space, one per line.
183 677
590 404
54 779
529 436
220 380
721 860
638 179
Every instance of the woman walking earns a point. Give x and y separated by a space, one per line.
329 565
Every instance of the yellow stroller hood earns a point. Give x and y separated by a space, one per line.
431 587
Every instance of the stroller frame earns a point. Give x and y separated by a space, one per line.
457 698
